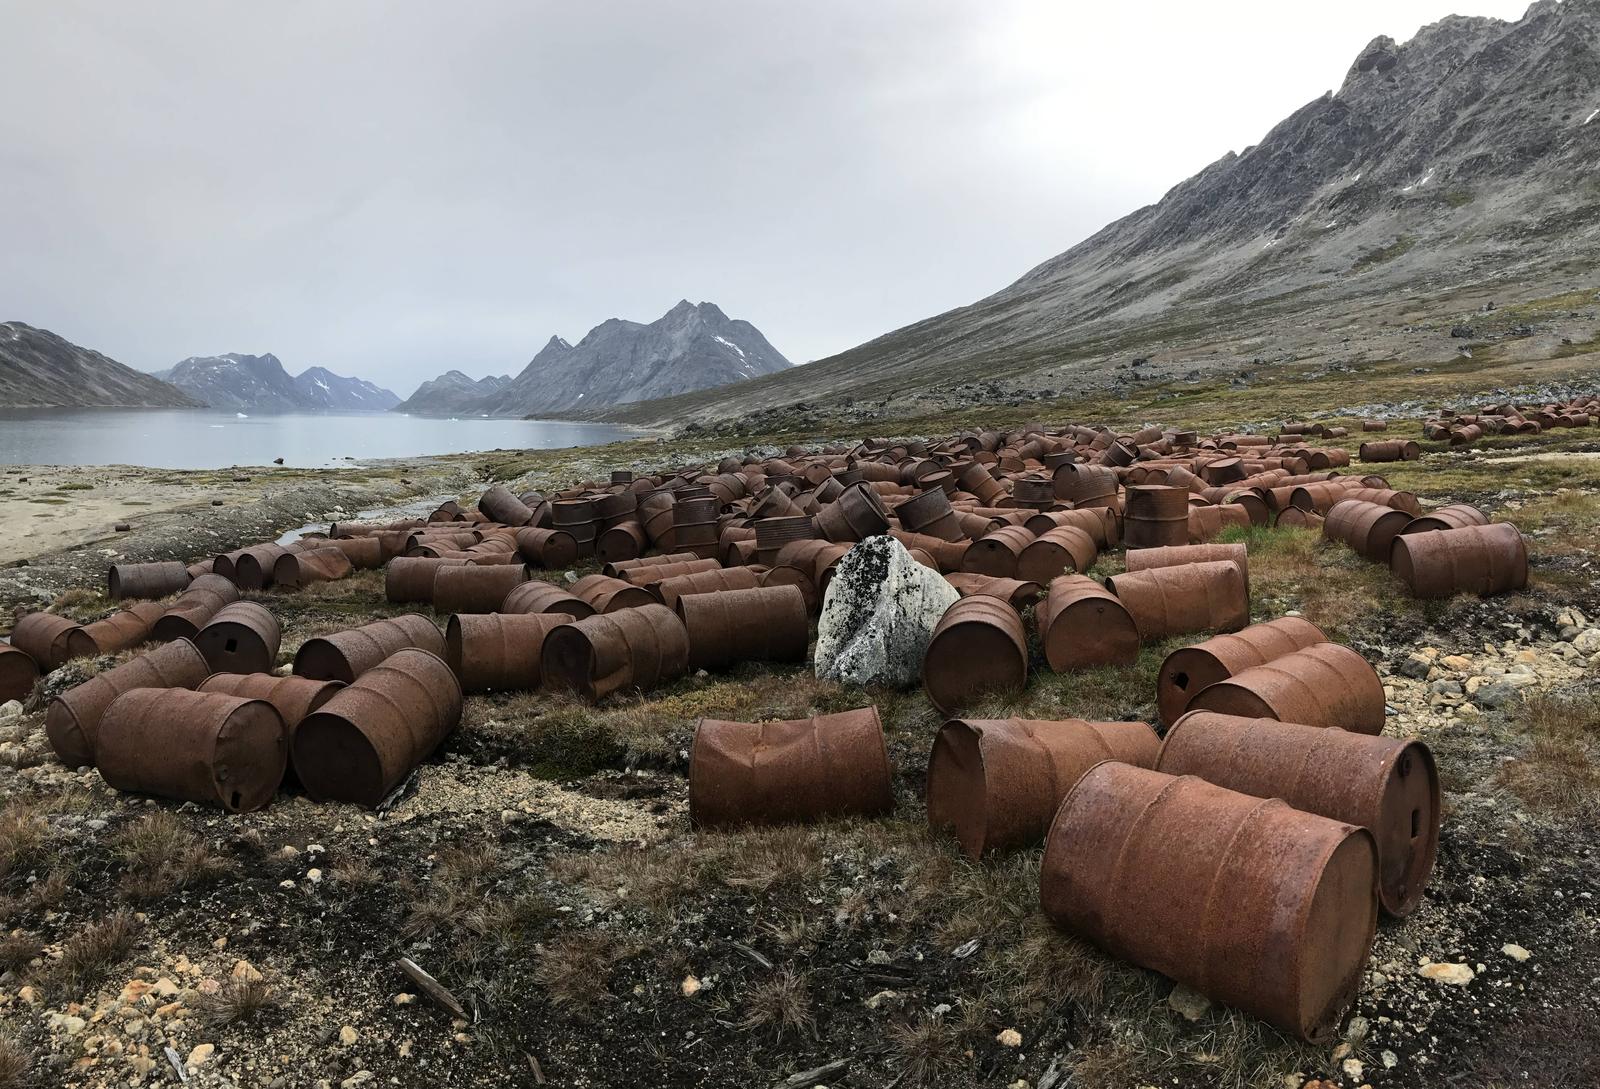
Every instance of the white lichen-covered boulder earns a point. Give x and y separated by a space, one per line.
879 615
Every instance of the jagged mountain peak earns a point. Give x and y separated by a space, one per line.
259 383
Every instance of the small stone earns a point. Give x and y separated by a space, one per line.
404 998
67 1023
220 944
1188 1002
10 711
201 1054
1456 662
1458 974
1587 641
1009 1038
286 883
314 875
1416 667
360 1077
690 986
1390 1060
879 957
880 998
288 850
1352 1069
1515 952
348 1035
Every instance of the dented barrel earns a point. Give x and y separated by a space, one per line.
297 570
1163 601
1058 551
762 773
242 638
499 652
72 721
720 580
293 697
202 747
1179 555
1480 560
1156 515
124 628
1253 903
978 647
1387 786
1082 625
768 623
50 640
606 594
997 782
364 741
1191 670
346 655
1454 516
1325 684
635 648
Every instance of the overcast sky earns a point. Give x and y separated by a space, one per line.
393 188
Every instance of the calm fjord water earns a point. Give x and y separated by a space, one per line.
209 439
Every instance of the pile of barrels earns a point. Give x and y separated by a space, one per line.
1454 549
1246 853
1464 429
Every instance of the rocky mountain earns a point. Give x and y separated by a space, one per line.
453 394
619 362
40 369
258 383
1459 163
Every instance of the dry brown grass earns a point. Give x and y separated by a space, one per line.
239 1000
22 837
928 1049
89 954
15 1065
575 968
1560 769
18 949
161 856
780 1005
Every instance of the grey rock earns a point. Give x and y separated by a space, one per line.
879 616
1415 666
1445 687
1494 696
39 369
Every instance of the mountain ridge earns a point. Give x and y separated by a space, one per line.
41 369
260 383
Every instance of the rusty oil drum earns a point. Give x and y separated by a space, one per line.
1191 670
997 782
345 655
1058 551
768 624
204 747
194 608
1251 902
1368 528
538 596
475 589
72 721
1454 516
1082 625
1389 787
364 741
811 769
408 579
633 648
18 673
1326 684
242 638
145 579
124 628
297 570
1156 515
498 652
670 591
1163 601
1143 559
50 640
1478 560
293 697
978 647
605 594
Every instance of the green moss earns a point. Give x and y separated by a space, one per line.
1398 248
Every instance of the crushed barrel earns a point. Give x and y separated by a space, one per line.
635 648
499 652
1482 560
1163 601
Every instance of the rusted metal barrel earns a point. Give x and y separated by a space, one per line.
930 513
1063 550
1188 671
1478 560
365 553
242 638
979 647
1144 559
669 591
635 648
359 745
499 505
474 589
1082 625
996 554
606 595
546 547
1391 450
1294 517
743 773
346 655
72 721
1325 684
50 640
145 579
252 567
1205 522
768 623
649 576
293 697
1455 516
537 596
1163 601
499 652
615 568
1251 902
857 514
301 569
1156 516
408 579
624 541
18 673
1368 528
1387 786
203 747
125 628
1374 425
1020 594
997 782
